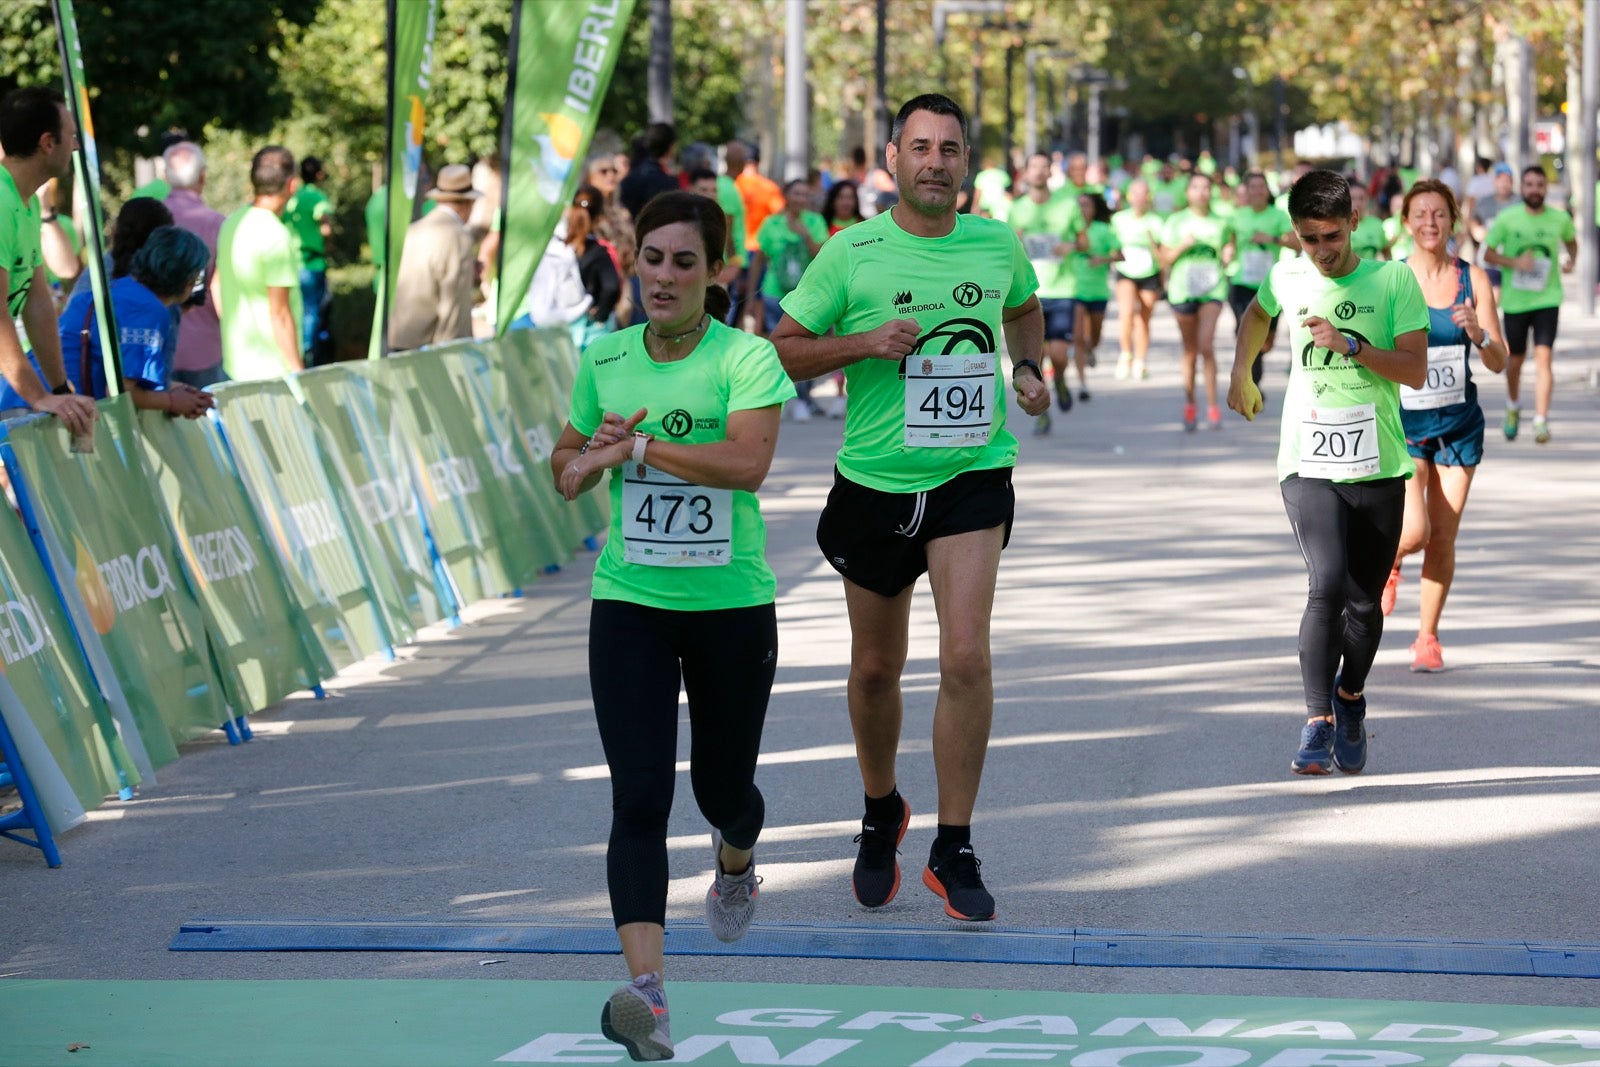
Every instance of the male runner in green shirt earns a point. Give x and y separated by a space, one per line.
1257 235
38 135
1526 241
1358 330
917 298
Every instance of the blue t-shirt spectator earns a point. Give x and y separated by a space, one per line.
144 338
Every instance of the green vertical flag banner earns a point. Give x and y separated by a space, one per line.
62 727
263 644
274 446
411 29
562 56
377 479
86 165
121 576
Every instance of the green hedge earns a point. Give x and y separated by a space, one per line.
353 304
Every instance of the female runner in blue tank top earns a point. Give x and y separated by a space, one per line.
1443 422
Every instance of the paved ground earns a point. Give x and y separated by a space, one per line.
1147 706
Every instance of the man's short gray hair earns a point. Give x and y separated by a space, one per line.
186 165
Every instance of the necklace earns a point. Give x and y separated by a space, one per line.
676 337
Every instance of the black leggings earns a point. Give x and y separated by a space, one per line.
1348 533
637 657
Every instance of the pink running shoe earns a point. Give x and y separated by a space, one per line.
1426 656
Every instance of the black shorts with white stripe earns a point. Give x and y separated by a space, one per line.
879 540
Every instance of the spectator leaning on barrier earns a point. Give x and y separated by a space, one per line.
259 270
433 290
309 214
38 135
162 275
198 358
138 219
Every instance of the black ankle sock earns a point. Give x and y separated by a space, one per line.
888 810
951 838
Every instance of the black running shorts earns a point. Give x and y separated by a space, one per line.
1541 322
879 540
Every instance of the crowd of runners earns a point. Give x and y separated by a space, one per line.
953 301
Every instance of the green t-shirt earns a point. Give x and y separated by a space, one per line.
658 516
377 239
955 286
733 207
304 214
255 252
1137 236
155 189
1324 404
1169 197
1093 281
1516 230
1197 274
787 255
20 251
1042 227
1369 241
1399 238
1251 261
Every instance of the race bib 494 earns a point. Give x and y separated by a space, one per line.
949 400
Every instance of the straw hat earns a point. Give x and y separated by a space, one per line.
455 183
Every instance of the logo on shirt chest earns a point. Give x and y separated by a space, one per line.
967 294
1348 309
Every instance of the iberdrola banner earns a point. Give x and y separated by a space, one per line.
411 28
562 56
86 165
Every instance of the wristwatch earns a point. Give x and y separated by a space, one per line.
640 440
64 389
1481 345
1030 364
1354 346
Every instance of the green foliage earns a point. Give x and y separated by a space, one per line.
707 70
353 301
157 64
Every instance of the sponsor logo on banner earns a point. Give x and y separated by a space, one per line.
23 631
556 148
313 524
382 499
417 120
221 554
539 443
946 1039
503 459
121 583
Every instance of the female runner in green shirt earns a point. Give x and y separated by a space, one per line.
1097 248
682 591
1191 250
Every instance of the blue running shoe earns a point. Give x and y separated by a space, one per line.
1350 732
1316 749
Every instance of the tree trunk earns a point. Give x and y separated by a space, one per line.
660 70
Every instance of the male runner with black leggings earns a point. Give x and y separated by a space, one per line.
1358 329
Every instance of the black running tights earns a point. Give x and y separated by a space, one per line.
1348 533
725 661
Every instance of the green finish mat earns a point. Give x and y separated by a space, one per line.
464 1023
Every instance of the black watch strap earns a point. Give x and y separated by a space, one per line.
64 389
1030 364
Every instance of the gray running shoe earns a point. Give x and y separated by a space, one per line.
731 900
636 1018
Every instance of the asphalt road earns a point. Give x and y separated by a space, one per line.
1148 703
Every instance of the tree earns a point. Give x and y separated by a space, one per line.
156 64
707 70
